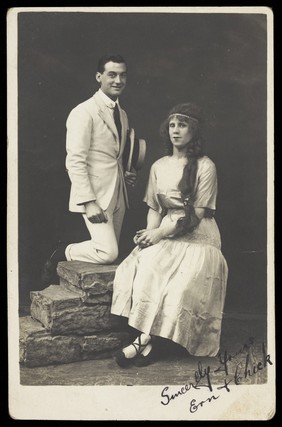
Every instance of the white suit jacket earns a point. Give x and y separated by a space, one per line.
94 153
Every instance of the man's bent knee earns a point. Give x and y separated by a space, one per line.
108 257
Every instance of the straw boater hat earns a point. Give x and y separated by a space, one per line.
134 152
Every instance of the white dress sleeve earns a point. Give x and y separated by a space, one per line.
206 190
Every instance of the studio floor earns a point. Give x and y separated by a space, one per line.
243 360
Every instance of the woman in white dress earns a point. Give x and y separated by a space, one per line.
173 283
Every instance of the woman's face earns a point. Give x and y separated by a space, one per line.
179 133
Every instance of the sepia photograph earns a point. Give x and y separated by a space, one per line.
141 213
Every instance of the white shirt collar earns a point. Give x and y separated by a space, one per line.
108 101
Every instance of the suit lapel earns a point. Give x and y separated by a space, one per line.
104 113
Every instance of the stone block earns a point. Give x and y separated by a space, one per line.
39 348
52 299
98 346
28 328
62 312
88 296
86 275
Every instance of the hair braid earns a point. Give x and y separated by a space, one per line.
187 185
191 114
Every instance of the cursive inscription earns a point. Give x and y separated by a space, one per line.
241 368
226 357
250 367
200 375
194 406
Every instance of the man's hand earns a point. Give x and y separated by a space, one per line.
95 213
130 178
145 238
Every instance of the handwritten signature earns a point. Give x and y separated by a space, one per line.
194 406
247 367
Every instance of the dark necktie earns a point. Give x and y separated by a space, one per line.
117 120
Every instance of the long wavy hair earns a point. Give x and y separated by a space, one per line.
194 150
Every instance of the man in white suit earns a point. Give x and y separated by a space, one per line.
96 136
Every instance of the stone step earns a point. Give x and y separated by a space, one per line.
38 347
63 312
89 296
88 276
92 282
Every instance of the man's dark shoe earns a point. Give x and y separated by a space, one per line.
49 271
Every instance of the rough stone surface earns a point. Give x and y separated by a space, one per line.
86 275
39 348
72 321
28 328
88 296
95 346
56 297
64 319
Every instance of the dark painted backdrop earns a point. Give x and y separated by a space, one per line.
215 60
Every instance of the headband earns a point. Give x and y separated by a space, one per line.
183 115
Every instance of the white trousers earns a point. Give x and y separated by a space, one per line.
102 248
